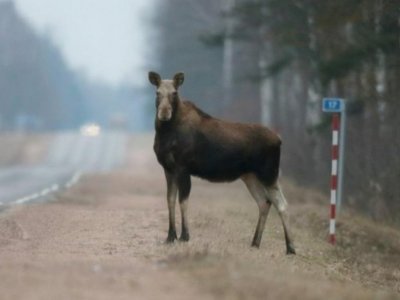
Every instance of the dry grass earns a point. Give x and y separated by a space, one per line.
223 218
104 238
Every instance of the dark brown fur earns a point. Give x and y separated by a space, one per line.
197 144
190 142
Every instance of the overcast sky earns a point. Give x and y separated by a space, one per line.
109 40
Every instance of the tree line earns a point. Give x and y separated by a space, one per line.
37 88
272 61
39 91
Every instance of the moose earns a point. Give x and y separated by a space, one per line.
189 142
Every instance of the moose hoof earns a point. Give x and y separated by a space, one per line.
171 236
170 240
184 238
255 245
290 250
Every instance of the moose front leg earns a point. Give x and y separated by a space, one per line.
184 184
172 190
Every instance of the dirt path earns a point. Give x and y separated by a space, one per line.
103 239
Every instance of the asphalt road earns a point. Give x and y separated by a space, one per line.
70 155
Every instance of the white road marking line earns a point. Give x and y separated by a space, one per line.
27 198
46 191
54 187
113 156
77 176
74 179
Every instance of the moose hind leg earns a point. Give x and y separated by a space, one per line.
279 201
184 192
257 191
172 191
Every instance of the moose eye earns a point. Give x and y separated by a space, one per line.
174 94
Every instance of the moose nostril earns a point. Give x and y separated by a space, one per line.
165 114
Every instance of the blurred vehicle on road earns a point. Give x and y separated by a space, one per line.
90 129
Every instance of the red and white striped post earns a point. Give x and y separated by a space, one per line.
337 107
334 176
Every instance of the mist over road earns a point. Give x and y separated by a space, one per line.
87 153
70 154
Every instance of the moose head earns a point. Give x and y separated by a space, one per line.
167 99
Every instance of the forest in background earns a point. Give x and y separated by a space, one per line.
40 92
37 88
272 62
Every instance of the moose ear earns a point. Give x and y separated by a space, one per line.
179 78
154 78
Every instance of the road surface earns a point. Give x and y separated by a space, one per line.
70 155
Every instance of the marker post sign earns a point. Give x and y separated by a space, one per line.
337 107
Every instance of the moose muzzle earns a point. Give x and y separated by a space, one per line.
164 113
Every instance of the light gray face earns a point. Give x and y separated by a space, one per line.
166 99
167 94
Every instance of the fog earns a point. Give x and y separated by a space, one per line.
66 63
107 40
